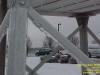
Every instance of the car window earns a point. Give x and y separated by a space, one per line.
93 48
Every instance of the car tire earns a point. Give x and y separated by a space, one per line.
97 56
37 54
89 54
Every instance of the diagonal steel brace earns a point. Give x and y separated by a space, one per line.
4 25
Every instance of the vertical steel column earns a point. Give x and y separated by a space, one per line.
17 41
3 9
83 22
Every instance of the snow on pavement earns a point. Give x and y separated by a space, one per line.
54 68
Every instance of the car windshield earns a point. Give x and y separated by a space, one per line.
94 46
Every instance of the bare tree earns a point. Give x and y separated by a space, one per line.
51 43
48 42
74 40
29 45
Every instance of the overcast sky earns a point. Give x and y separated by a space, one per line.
67 26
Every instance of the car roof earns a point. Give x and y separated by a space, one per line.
93 46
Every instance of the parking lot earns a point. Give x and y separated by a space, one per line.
97 60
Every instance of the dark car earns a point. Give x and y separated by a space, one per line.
43 51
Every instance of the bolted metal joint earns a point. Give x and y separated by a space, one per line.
82 20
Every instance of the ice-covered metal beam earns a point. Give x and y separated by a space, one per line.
17 41
56 5
61 7
3 12
40 22
82 21
78 6
93 35
28 69
4 25
10 3
73 33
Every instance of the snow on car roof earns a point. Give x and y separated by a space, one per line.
94 46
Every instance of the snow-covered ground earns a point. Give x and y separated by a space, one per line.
54 68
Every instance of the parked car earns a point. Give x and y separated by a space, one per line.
43 51
94 50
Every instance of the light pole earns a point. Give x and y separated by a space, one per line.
59 26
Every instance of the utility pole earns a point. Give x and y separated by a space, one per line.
59 27
3 10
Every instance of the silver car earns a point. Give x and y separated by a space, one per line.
94 50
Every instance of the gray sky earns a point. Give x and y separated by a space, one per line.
68 25
94 24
